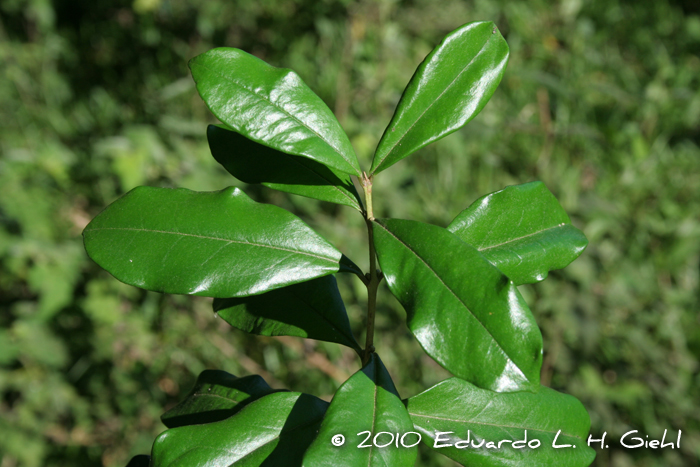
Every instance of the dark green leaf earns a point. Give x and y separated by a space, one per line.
217 244
450 87
522 230
312 309
251 162
469 412
216 395
272 106
274 431
139 461
368 401
464 312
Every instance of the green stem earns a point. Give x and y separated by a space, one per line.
367 187
373 278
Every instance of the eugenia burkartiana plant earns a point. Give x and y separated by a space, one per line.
271 274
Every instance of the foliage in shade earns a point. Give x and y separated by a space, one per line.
274 431
218 244
366 401
450 87
272 106
522 230
477 414
252 162
464 312
312 309
216 396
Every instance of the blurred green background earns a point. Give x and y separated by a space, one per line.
601 101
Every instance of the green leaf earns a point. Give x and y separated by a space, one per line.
312 309
522 230
139 461
251 162
368 401
469 412
273 431
272 106
464 312
215 396
216 244
450 87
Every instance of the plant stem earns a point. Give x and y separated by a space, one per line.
367 187
373 280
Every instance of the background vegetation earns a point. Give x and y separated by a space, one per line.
601 101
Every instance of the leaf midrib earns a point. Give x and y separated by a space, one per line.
559 226
457 297
374 409
393 147
228 241
490 424
293 117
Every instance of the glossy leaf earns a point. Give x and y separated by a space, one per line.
273 431
464 312
450 87
476 414
251 162
272 106
215 396
522 230
216 244
312 309
368 401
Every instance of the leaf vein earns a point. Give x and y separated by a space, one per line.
497 425
393 147
274 104
261 245
500 347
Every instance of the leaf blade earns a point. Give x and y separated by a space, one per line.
275 429
195 243
522 230
216 395
252 162
460 311
272 106
435 103
458 406
312 309
368 400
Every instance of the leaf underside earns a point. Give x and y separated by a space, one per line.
312 309
252 162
